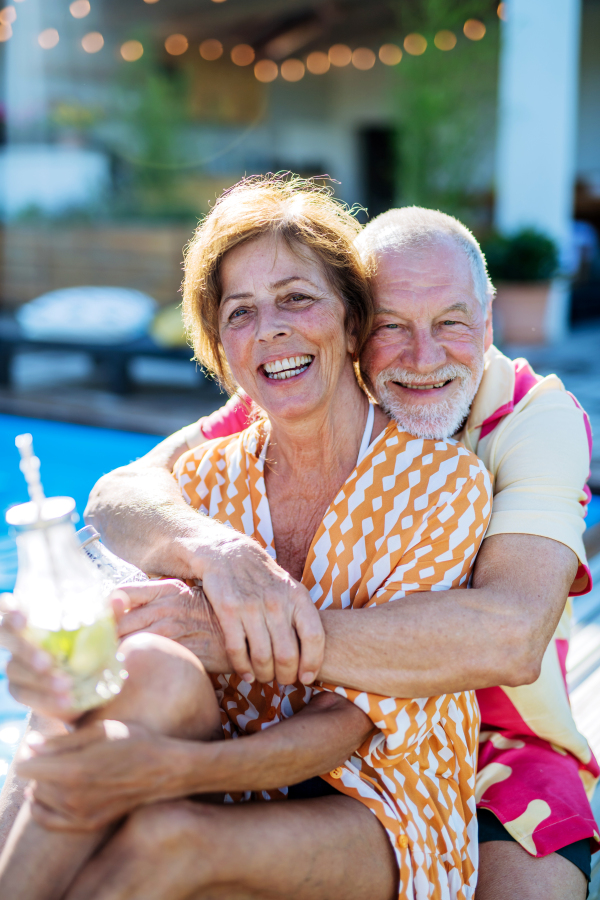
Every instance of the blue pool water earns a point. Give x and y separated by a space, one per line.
73 457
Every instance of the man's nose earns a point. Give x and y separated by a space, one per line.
422 353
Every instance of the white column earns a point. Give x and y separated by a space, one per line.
538 117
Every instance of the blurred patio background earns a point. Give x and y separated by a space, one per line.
122 120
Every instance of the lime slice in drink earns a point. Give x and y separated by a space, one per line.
94 648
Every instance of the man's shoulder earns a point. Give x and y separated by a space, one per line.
511 388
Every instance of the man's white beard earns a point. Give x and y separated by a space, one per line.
431 421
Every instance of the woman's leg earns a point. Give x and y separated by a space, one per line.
323 849
168 691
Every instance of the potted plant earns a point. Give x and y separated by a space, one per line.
532 302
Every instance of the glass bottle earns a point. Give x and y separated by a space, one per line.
65 600
114 570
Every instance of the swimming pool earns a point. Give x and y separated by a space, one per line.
73 457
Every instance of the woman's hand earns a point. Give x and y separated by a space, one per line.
271 628
176 611
97 774
33 678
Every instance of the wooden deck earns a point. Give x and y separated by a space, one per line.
584 683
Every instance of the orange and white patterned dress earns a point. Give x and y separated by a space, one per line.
410 517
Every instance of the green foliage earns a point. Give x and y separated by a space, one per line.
445 105
527 255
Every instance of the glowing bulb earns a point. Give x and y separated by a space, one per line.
474 29
415 44
265 70
242 55
390 54
445 40
80 9
292 70
502 11
8 15
5 32
340 55
176 44
363 58
48 39
211 49
317 63
131 50
92 42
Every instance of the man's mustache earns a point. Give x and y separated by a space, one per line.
405 376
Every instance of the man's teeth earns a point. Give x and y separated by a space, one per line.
287 368
422 387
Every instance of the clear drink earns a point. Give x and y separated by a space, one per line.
65 599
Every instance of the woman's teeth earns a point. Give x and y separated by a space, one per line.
423 387
287 368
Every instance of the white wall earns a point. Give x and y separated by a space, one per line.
538 116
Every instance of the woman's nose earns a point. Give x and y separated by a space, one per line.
271 325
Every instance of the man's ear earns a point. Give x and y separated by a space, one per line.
488 339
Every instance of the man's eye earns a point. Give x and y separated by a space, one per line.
450 322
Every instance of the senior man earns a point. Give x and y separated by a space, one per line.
431 364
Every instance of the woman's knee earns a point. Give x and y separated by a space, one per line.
167 689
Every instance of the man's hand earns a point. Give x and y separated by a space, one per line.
271 627
97 774
33 678
175 611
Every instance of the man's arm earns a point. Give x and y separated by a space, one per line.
431 643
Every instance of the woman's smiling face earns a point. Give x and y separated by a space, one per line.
283 327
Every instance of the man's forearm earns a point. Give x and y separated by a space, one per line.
431 643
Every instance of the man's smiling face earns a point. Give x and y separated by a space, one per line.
424 359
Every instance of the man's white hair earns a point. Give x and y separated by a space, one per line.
415 227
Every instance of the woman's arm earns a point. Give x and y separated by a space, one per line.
140 768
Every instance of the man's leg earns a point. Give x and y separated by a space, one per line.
167 691
322 849
508 871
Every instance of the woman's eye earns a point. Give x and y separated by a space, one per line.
298 298
391 325
237 314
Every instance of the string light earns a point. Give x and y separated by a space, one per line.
150 1
211 49
131 51
266 70
445 40
8 15
218 1
242 55
92 42
340 55
48 38
390 54
363 58
176 44
415 44
5 32
80 9
474 29
317 63
502 11
292 70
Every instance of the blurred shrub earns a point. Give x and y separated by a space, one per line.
527 255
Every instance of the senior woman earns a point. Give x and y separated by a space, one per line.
359 513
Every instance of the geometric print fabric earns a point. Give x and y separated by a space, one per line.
410 517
